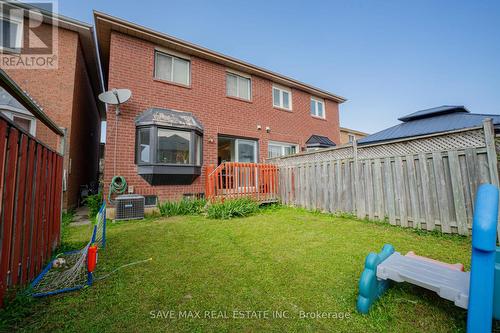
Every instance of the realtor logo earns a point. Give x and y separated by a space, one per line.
28 35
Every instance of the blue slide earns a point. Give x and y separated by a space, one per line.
481 296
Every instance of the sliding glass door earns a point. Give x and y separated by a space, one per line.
237 150
240 178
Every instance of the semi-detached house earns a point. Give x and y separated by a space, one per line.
192 107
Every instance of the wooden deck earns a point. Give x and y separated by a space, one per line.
232 180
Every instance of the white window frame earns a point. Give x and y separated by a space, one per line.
351 137
16 17
173 56
11 114
281 90
282 145
317 101
238 78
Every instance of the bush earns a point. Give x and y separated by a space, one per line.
183 207
94 203
232 208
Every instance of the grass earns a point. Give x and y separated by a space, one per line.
281 259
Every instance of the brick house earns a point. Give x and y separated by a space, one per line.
67 93
191 107
348 135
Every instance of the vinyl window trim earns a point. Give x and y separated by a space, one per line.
19 21
316 101
173 55
281 90
283 145
238 77
24 115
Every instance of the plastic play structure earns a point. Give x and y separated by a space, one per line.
478 291
72 270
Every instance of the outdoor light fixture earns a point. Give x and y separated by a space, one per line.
268 129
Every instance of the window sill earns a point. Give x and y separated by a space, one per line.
240 99
9 51
282 109
172 83
318 118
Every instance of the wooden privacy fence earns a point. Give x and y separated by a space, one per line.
232 180
30 197
427 183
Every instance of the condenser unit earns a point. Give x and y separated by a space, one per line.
129 207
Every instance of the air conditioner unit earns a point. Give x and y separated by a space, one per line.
129 207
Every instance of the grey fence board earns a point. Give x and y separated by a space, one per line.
431 189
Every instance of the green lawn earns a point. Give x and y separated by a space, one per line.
281 260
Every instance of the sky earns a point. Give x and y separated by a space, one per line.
387 57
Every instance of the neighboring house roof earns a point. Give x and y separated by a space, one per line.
319 141
25 101
348 130
89 46
440 110
8 102
431 121
106 23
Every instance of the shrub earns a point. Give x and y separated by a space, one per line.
94 203
232 208
183 207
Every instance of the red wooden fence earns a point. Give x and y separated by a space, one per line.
235 180
30 211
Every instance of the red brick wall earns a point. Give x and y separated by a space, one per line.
54 90
131 66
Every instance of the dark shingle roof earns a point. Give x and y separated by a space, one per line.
427 122
319 141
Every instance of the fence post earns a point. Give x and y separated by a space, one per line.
208 181
489 136
357 191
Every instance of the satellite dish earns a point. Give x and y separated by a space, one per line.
115 97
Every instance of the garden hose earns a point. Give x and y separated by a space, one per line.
118 185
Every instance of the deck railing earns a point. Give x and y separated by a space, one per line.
232 180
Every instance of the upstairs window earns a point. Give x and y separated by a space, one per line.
317 107
172 68
282 98
351 137
11 28
238 86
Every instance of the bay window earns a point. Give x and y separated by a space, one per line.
168 147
